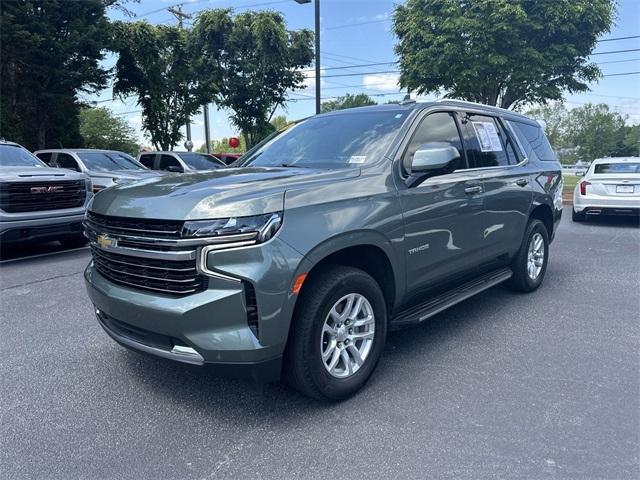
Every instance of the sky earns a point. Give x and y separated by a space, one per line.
356 32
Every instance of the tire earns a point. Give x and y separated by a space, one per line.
304 367
521 280
577 217
76 241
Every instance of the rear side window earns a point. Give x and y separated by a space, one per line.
65 160
487 142
167 161
147 160
534 136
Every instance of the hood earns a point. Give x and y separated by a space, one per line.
217 194
30 174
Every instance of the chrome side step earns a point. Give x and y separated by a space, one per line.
449 298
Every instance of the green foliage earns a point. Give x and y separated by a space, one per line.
222 146
588 132
348 101
50 51
101 129
247 62
500 52
554 116
279 123
155 65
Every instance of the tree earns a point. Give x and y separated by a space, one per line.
595 130
50 52
554 116
222 146
102 129
249 61
500 52
348 101
279 123
155 65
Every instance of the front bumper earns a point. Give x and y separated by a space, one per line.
209 327
13 231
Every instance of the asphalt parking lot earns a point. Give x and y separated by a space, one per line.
504 385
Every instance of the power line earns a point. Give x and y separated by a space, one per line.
621 74
618 38
617 51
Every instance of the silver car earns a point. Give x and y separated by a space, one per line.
105 167
611 186
180 162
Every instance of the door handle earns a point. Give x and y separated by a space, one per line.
522 182
474 189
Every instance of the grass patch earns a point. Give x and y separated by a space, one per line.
570 182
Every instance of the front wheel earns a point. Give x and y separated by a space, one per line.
530 263
338 334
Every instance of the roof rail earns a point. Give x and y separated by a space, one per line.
484 105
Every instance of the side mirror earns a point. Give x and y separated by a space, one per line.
434 156
174 169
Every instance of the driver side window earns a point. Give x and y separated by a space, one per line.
436 127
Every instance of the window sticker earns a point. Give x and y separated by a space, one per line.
487 136
357 158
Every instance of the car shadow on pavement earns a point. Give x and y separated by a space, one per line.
242 401
611 221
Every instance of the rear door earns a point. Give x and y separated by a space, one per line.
441 214
505 177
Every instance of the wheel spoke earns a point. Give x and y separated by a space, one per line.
347 362
355 353
329 351
334 360
361 335
353 314
363 321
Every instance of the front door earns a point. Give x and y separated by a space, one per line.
441 214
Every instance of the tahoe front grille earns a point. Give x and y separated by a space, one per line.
18 197
134 227
156 275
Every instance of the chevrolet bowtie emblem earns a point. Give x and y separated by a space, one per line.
105 241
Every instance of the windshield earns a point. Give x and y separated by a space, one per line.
333 141
626 167
108 161
197 161
16 156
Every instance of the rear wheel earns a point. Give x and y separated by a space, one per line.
76 241
530 263
577 217
338 334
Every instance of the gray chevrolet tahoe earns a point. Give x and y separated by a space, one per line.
38 202
298 261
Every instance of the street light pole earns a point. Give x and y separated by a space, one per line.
317 35
317 32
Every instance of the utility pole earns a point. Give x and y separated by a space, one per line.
317 35
181 16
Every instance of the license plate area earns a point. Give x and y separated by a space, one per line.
624 188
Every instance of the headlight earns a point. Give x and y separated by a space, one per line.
263 226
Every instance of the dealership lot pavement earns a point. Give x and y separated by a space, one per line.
504 385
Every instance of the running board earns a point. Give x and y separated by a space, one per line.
449 298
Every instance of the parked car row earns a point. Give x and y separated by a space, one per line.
44 195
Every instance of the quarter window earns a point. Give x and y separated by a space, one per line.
436 127
533 136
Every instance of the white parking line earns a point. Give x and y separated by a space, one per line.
50 254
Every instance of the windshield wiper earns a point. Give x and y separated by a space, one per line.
292 165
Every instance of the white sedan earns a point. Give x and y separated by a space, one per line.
611 186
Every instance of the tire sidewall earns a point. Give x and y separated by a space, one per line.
338 388
536 227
